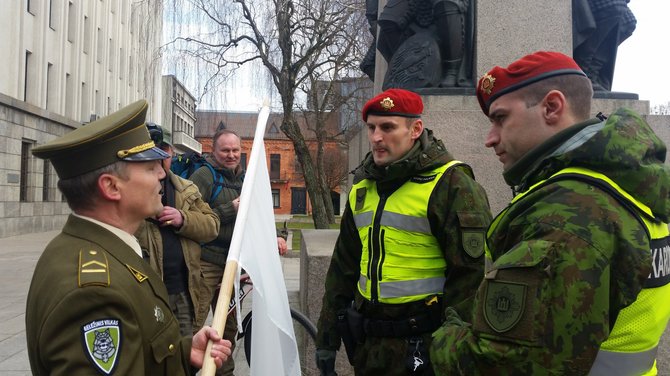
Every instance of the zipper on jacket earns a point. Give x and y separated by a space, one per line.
376 252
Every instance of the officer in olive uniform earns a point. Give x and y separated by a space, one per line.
94 305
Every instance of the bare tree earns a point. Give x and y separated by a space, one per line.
333 111
336 168
298 42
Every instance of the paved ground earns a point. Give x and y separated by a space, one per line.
18 255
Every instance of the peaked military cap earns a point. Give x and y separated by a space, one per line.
121 136
394 102
527 70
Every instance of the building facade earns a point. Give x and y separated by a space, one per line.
179 115
66 62
289 193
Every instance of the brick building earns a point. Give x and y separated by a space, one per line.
289 194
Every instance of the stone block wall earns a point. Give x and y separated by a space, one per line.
21 127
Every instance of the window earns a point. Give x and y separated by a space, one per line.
87 35
275 198
110 58
71 22
46 181
31 6
100 46
69 96
121 61
243 160
25 164
52 15
26 72
85 104
275 166
98 103
131 71
51 88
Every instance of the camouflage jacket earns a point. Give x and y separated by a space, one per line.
567 257
457 194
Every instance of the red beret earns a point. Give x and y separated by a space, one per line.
523 72
394 102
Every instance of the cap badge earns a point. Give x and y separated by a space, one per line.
387 103
487 83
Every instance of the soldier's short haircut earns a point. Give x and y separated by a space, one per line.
81 191
577 90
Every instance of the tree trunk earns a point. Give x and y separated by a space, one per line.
292 131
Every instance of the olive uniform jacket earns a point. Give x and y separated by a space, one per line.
200 225
95 306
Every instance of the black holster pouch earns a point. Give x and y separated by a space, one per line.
350 328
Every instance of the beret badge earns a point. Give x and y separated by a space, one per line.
387 103
487 83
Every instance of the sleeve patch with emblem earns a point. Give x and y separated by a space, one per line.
504 305
102 343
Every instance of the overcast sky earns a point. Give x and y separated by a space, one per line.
643 59
641 65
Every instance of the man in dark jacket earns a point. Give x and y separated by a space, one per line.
575 272
411 242
172 240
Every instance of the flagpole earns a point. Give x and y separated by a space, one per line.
231 269
220 313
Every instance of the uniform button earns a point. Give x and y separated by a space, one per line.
171 348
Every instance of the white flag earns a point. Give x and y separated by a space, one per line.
254 246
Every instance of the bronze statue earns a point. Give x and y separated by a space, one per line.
598 28
428 43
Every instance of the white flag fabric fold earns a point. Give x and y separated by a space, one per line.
254 247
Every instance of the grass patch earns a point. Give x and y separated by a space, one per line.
295 227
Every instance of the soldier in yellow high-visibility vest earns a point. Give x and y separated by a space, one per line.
411 242
576 280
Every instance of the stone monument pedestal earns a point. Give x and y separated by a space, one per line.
316 249
459 122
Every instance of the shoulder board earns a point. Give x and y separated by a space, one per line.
93 268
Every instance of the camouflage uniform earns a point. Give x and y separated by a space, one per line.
456 197
567 257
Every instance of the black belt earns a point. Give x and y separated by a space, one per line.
413 325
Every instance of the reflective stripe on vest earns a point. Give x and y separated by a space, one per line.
610 363
426 286
401 260
631 346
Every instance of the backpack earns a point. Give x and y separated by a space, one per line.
185 165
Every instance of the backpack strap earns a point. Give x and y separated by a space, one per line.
218 183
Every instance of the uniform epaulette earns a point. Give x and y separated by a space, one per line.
93 268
